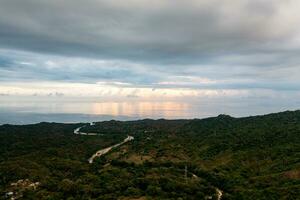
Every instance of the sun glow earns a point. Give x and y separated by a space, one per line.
144 109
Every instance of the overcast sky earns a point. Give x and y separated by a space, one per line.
151 49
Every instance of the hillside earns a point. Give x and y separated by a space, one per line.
241 158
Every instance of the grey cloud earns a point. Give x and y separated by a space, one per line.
239 44
37 67
152 32
23 66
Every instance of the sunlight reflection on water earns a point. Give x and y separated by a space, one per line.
137 109
142 109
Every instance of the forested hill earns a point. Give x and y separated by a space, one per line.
214 158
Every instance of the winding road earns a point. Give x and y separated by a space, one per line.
219 194
218 191
106 150
78 132
101 151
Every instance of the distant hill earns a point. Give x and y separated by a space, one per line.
220 157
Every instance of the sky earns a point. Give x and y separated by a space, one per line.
241 51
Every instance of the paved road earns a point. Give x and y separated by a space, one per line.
78 132
219 194
218 191
106 150
102 151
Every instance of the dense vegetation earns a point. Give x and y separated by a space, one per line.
244 158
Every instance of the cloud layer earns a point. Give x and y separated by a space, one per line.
206 45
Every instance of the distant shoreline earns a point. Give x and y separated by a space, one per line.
67 118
